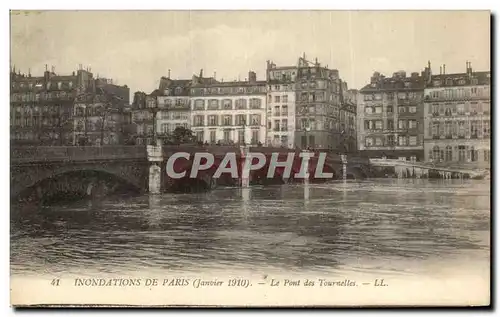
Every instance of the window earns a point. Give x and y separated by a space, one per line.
402 140
199 104
284 110
461 129
413 140
241 104
255 119
413 109
227 120
460 108
401 124
285 98
378 141
276 125
368 125
448 129
461 153
435 109
369 141
227 136
486 128
212 120
213 104
412 124
378 109
284 125
474 125
255 136
401 109
390 124
255 103
198 120
390 140
240 119
389 109
276 98
227 104
369 110
378 124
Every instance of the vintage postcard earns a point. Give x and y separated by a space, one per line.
250 158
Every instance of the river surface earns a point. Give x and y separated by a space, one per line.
389 226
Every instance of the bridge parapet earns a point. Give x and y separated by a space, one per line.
28 154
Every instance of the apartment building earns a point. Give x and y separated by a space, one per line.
457 114
228 112
99 113
390 115
41 107
348 113
173 101
280 105
318 101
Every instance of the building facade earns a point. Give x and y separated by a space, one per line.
99 113
280 105
318 102
457 117
173 101
390 116
348 120
228 112
41 107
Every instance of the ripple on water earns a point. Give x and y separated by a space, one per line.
387 226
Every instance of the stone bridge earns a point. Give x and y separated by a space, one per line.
43 171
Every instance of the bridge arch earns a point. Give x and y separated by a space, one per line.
24 178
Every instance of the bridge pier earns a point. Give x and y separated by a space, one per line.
343 157
245 173
305 169
155 156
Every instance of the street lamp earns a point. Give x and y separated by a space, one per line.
153 107
307 128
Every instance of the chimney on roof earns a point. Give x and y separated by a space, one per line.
169 73
469 68
201 73
215 75
252 76
444 69
440 70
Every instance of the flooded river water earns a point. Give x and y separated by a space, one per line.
388 226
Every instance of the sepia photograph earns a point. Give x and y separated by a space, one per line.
244 158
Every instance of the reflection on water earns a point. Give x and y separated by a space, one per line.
390 226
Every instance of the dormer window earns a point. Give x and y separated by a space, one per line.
70 84
407 84
449 82
167 92
178 90
59 85
461 82
48 85
437 83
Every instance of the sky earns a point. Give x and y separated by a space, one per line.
136 48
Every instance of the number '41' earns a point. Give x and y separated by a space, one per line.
55 282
